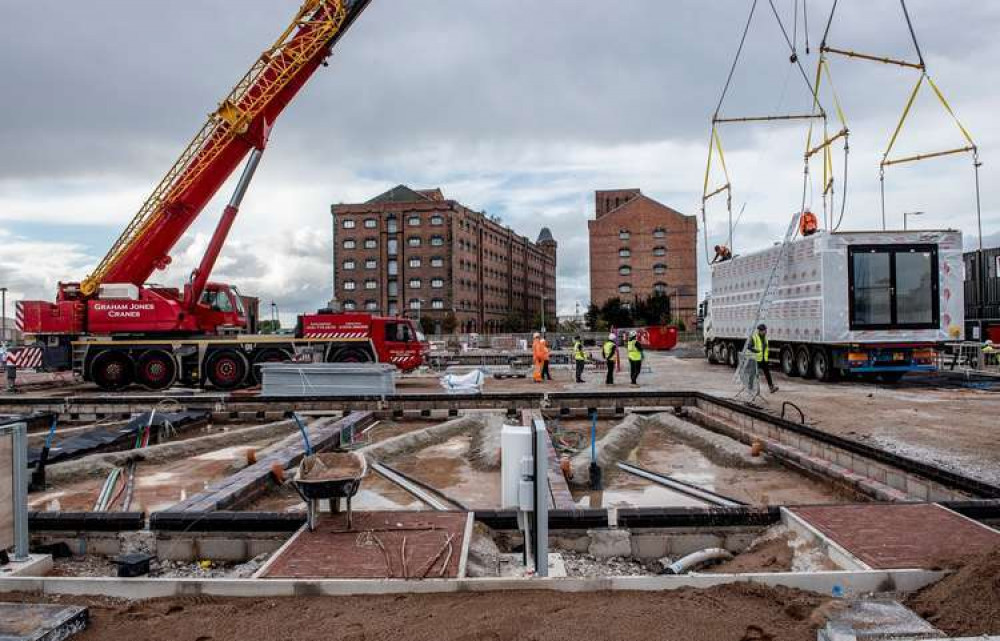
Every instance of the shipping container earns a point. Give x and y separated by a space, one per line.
844 302
987 279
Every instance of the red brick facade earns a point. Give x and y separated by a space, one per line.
639 246
416 253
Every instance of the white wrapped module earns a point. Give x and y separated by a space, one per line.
846 287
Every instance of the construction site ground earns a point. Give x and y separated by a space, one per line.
931 418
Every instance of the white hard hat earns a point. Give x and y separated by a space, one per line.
611 336
535 335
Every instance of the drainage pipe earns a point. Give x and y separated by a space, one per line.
687 489
422 491
697 559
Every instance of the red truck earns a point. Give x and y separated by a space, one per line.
116 329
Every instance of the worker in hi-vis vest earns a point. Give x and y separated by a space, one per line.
634 349
536 356
759 347
579 358
610 353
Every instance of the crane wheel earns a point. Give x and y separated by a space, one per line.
112 370
351 355
156 370
787 358
226 369
267 356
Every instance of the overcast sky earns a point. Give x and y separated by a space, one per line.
521 108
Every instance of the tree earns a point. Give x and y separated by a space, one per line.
654 310
268 326
427 325
450 323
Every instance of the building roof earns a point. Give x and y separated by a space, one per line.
629 203
545 236
404 194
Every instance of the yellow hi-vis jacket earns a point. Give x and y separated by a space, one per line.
578 352
609 350
634 353
760 348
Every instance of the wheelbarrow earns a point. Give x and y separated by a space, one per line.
330 475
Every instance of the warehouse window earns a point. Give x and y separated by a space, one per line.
370 223
413 241
370 243
414 262
392 247
437 261
350 243
349 223
415 303
393 267
392 225
437 219
659 288
659 232
623 234
625 270
659 251
893 287
350 285
371 284
625 288
624 252
393 310
349 265
371 305
437 241
393 288
413 221
437 283
350 305
371 263
437 303
415 283
659 269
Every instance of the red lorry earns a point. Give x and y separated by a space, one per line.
115 329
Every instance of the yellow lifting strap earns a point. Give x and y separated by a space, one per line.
715 147
906 112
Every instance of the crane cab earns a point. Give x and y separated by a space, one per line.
220 310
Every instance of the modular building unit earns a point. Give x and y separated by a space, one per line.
982 295
874 302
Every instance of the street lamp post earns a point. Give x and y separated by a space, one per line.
906 216
3 314
543 314
274 317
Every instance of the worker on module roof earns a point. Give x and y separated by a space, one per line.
759 347
635 354
579 357
808 224
722 254
610 352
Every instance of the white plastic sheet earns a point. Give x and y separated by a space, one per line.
470 383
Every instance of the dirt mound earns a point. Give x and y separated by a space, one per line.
966 603
765 555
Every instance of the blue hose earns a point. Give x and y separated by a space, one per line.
305 435
52 432
593 438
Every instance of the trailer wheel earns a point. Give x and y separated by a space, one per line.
732 355
156 370
821 366
351 355
226 369
267 356
787 358
710 354
803 362
112 370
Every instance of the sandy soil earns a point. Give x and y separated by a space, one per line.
966 603
725 613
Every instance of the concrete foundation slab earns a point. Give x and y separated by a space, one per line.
40 622
876 619
34 565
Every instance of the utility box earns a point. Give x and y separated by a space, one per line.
515 447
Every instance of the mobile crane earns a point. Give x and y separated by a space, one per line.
115 329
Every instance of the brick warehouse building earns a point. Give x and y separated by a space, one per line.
639 246
416 253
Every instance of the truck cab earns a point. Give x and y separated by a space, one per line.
221 310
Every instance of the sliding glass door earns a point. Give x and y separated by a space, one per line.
893 287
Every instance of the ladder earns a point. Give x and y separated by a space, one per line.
746 371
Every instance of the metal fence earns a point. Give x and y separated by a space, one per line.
971 358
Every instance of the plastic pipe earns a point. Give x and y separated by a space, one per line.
305 434
697 559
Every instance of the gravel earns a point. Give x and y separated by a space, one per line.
584 565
